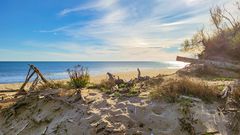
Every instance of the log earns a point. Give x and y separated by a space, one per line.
188 60
218 64
5 91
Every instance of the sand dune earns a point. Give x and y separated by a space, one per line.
58 111
49 113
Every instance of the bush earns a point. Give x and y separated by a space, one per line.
171 89
79 77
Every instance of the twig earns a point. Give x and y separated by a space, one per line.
22 128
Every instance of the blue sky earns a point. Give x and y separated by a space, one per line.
99 30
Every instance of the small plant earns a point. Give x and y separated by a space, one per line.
117 94
187 121
79 77
133 92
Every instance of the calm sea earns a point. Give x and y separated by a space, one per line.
13 72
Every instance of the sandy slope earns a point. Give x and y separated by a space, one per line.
52 113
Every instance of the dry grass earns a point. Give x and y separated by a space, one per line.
171 89
106 84
54 85
236 95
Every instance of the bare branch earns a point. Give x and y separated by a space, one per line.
216 16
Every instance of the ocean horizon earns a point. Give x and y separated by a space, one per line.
16 71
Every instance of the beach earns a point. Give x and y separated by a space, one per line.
60 111
97 78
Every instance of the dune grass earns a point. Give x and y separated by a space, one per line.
171 89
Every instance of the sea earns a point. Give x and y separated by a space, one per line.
15 72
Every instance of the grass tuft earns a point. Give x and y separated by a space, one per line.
171 89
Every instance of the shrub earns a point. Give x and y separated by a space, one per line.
225 35
171 89
79 77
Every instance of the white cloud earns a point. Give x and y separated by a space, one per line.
100 4
135 28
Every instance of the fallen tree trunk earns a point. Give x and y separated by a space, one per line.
218 64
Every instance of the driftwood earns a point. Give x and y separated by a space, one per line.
5 91
141 78
229 89
125 86
112 78
218 64
139 74
32 70
211 133
118 81
191 98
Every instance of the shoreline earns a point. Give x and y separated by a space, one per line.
97 78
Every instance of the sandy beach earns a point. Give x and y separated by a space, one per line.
98 78
59 111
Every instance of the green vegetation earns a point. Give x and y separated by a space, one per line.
224 36
171 89
79 77
187 121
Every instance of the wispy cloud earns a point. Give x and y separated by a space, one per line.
93 5
136 28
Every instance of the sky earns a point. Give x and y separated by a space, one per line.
99 30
